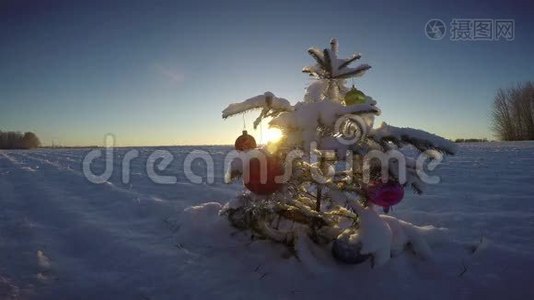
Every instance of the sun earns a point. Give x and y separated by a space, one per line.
271 135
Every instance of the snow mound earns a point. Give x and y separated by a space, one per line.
381 236
203 222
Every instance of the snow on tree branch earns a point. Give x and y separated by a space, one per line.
329 66
326 113
266 101
420 139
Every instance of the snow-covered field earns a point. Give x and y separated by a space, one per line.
62 237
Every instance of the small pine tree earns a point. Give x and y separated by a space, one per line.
315 197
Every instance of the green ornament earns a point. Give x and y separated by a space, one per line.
354 96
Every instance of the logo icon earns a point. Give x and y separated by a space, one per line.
435 29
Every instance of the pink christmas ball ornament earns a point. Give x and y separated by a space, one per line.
385 194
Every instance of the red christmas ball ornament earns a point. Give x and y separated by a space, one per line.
385 194
269 184
245 142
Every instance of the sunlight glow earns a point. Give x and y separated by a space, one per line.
271 135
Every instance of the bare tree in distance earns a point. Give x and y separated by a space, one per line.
17 140
513 113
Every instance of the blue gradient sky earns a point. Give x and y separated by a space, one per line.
159 73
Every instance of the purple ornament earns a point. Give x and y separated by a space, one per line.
385 194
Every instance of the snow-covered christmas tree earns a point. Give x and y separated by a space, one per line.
333 173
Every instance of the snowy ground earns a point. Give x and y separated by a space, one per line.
62 237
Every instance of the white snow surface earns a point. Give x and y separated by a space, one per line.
62 237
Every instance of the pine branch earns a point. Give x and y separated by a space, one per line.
318 56
354 72
420 139
333 45
310 71
266 101
349 61
328 62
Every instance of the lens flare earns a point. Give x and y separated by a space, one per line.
271 135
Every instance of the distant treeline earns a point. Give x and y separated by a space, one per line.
513 113
17 140
470 140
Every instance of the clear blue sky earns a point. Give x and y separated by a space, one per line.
160 72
